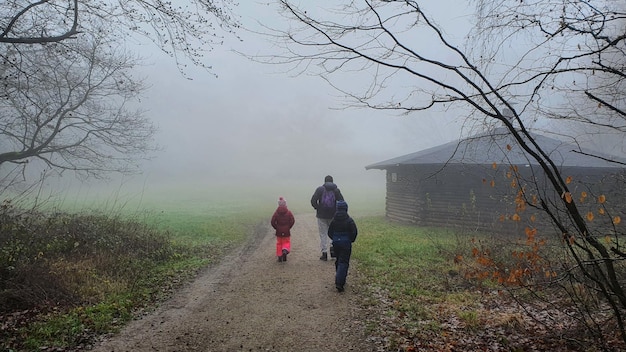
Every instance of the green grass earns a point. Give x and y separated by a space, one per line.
411 264
414 259
405 274
114 262
69 328
413 269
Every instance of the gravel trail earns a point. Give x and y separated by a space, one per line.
251 302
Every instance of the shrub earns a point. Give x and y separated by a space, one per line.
60 258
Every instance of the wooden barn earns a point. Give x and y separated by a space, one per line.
470 185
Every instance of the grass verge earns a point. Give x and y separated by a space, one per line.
67 278
419 294
410 278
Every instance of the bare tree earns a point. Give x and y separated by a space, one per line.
191 28
523 62
67 84
68 106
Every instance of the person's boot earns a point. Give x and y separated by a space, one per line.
280 258
285 252
324 256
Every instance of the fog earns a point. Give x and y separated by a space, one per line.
259 131
247 130
256 129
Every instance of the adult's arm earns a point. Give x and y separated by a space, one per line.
316 197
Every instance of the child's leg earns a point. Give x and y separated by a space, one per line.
287 244
342 264
279 246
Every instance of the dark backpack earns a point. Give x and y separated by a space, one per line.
328 199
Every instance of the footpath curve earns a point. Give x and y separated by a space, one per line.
251 302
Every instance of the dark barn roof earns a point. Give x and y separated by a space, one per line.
492 147
446 186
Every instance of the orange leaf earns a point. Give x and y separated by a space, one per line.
530 235
515 217
568 180
601 199
607 239
617 220
508 147
493 183
533 218
601 211
568 197
590 216
494 166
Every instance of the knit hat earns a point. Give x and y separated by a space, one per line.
328 179
282 201
342 205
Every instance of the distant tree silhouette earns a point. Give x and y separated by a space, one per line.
66 83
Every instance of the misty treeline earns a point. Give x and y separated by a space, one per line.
69 97
530 66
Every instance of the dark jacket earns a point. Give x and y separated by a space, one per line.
283 221
342 228
322 212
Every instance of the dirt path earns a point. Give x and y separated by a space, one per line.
251 302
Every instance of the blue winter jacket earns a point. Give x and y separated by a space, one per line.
343 228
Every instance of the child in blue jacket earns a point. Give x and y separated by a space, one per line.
342 231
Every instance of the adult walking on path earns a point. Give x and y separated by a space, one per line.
251 302
324 202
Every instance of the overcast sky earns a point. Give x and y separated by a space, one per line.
256 125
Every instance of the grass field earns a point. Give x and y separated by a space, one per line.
104 257
102 260
123 255
113 258
192 230
410 274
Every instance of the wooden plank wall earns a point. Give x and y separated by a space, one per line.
464 197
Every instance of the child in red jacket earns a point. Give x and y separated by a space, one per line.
283 221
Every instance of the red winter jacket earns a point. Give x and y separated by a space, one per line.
283 221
